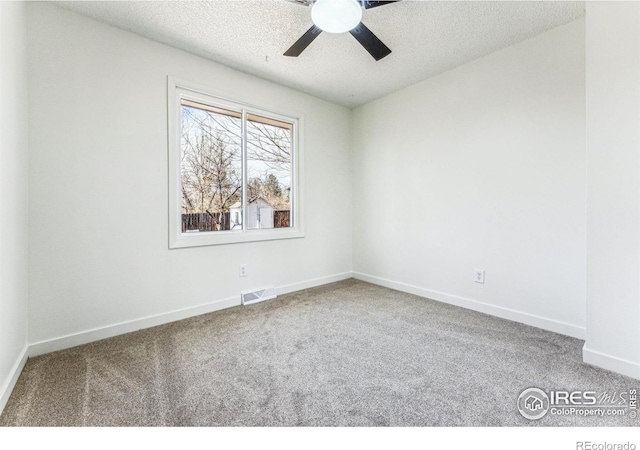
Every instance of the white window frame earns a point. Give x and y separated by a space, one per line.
177 90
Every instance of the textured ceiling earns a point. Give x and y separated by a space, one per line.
426 37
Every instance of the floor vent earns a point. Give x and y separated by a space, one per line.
258 296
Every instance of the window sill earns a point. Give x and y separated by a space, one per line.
185 240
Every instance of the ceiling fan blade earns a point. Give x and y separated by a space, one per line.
303 42
370 42
372 4
301 2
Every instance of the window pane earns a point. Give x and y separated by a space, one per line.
210 168
269 175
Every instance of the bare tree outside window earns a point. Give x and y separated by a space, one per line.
269 170
211 167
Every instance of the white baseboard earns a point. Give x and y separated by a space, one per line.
313 283
16 370
609 362
96 334
85 337
545 323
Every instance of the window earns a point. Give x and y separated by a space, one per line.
233 170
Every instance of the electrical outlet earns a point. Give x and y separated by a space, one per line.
243 270
478 276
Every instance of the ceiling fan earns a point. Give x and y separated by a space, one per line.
340 16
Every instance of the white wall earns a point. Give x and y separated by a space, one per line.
99 241
481 167
14 197
613 156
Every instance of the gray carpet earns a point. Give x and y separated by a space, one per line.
345 354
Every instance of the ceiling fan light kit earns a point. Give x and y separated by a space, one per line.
336 16
341 16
